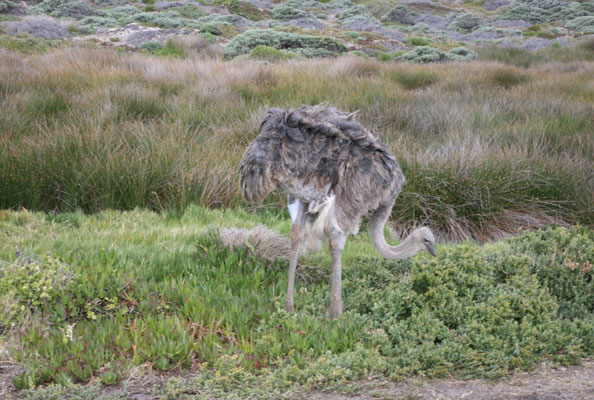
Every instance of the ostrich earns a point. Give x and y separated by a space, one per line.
335 172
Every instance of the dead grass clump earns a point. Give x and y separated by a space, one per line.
261 240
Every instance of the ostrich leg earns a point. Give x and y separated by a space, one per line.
337 241
296 239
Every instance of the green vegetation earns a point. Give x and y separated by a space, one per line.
271 54
526 58
584 24
27 44
102 294
6 5
539 11
286 13
466 22
418 41
414 79
248 11
508 77
424 54
400 14
165 19
487 151
307 45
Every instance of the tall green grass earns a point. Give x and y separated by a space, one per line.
488 149
104 294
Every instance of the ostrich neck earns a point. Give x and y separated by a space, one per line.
407 248
404 250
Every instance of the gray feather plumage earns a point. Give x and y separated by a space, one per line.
315 152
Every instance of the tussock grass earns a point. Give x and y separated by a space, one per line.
106 294
94 129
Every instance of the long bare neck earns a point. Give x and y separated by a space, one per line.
407 248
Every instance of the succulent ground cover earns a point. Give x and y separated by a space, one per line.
114 291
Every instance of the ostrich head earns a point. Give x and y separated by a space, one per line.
423 239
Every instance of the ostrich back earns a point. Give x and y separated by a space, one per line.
315 152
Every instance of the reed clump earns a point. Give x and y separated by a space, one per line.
488 148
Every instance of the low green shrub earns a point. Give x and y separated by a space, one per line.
190 11
355 11
120 13
461 54
540 11
286 13
245 42
400 14
359 53
151 46
271 54
99 22
584 24
27 44
466 22
418 41
424 54
248 11
7 5
165 19
63 9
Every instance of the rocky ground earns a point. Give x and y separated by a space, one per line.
367 28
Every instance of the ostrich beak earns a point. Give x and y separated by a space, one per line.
430 249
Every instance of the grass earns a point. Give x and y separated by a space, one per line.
488 149
101 295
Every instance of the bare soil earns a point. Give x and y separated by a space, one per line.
546 382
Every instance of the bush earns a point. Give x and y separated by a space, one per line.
61 9
167 20
190 11
120 13
359 11
539 11
245 42
271 54
400 14
248 11
286 13
423 54
7 5
466 22
27 44
461 54
584 24
99 22
418 41
151 46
